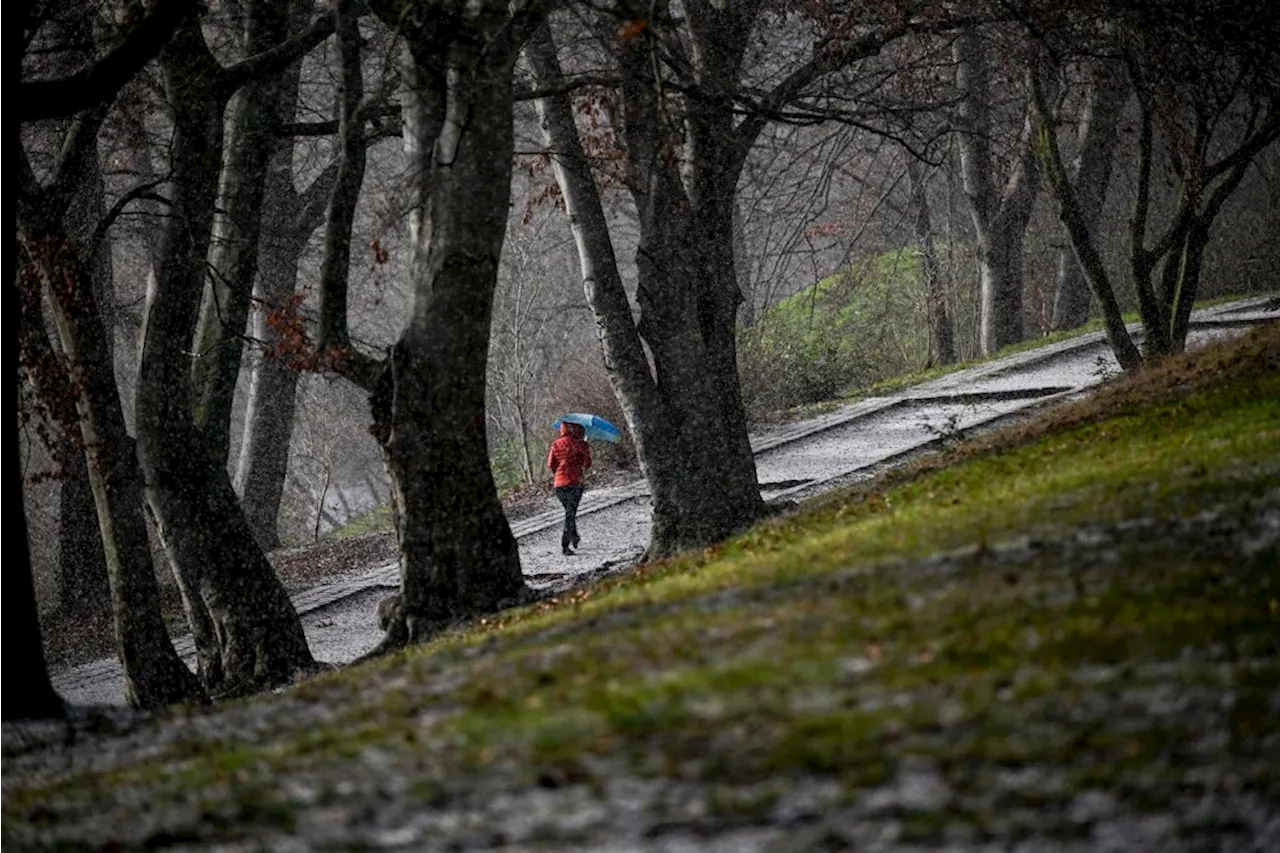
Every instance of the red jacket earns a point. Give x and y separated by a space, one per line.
570 455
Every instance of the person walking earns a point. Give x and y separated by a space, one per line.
569 457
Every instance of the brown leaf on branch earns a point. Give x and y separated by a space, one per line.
632 29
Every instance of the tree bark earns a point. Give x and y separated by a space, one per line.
942 346
288 221
684 408
458 557
255 115
999 219
272 395
253 637
83 586
1085 250
154 674
1099 126
30 693
82 567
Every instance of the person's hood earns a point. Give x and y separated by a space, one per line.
575 430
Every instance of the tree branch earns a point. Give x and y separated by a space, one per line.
281 56
99 81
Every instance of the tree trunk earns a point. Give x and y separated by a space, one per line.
1082 244
942 346
268 422
28 693
685 410
705 488
1091 173
154 674
458 557
288 221
251 139
999 219
26 673
257 639
83 586
82 568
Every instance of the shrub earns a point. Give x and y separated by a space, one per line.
851 329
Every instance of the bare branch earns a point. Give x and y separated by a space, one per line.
99 81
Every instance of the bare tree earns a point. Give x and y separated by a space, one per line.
1097 133
457 554
1000 215
28 692
1208 92
246 631
687 110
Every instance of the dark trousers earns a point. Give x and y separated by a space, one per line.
569 497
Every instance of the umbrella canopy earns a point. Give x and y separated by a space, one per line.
597 428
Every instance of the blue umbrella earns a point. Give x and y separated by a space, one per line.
598 429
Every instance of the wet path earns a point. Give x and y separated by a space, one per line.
794 460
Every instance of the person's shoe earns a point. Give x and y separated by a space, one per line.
566 552
575 542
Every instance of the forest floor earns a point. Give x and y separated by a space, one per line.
1059 636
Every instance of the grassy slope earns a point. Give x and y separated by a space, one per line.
972 648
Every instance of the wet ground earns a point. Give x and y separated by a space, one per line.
793 461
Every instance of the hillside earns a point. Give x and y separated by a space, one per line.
1066 633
